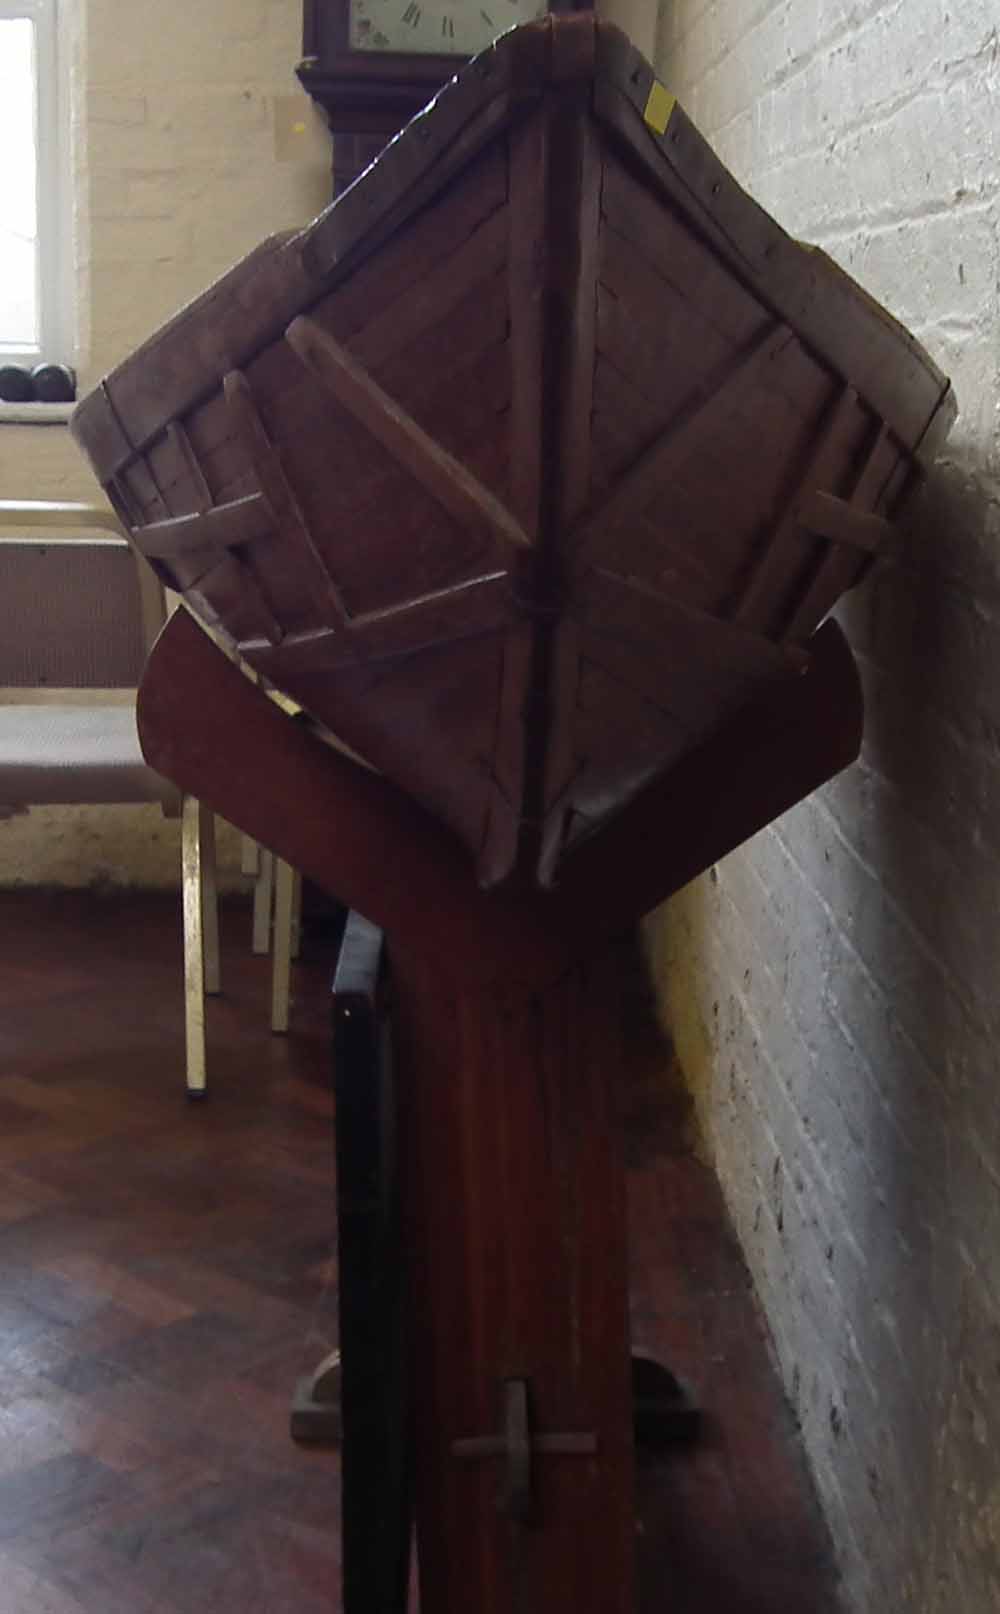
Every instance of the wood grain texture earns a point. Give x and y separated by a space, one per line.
360 838
567 393
508 1112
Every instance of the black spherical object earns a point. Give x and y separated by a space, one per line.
53 383
16 385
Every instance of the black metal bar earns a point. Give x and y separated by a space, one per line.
375 1446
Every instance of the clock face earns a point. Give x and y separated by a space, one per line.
436 27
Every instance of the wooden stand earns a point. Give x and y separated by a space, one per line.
507 1026
515 1240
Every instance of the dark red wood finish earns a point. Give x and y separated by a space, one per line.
515 1238
205 726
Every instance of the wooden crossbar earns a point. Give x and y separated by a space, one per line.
639 486
443 476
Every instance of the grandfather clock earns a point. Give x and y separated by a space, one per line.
372 64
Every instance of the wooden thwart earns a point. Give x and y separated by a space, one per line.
439 472
825 516
224 526
756 602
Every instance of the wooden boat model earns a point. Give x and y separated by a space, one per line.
542 452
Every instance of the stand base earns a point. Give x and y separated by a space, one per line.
664 1412
316 1417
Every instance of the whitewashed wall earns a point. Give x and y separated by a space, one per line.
833 988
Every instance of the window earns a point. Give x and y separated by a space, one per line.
35 274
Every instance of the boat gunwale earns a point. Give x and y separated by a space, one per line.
493 91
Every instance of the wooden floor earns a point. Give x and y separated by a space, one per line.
165 1275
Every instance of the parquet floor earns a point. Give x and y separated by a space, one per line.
164 1274
165 1277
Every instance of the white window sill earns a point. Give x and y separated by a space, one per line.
35 414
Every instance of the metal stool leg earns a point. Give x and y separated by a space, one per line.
209 903
296 914
262 898
194 946
284 906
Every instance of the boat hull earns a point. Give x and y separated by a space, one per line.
537 457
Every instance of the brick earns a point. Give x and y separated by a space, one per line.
834 983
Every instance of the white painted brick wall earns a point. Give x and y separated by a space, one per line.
834 988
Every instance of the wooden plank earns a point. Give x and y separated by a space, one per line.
388 272
779 748
644 241
850 332
646 298
528 145
497 852
388 858
696 421
229 596
825 516
757 602
224 526
143 491
526 279
444 477
411 548
838 568
194 489
624 741
279 496
465 395
576 183
693 666
252 305
482 605
456 389
425 720
432 300
563 761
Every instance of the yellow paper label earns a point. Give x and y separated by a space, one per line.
659 105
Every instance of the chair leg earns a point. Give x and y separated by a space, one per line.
296 915
262 892
284 906
194 948
210 904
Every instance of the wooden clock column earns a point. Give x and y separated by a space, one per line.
368 95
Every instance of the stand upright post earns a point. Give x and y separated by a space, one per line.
515 1236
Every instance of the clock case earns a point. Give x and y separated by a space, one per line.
367 96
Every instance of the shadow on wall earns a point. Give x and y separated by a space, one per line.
654 1105
832 993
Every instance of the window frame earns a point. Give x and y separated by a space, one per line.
54 259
